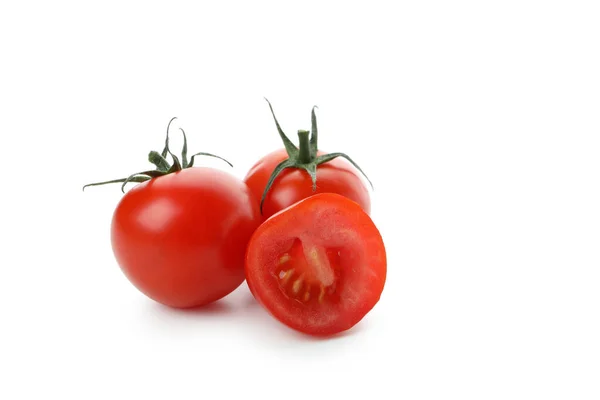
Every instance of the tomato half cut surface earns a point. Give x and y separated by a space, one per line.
318 266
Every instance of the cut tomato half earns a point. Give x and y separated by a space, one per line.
318 266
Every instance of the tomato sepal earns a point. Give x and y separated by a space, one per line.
163 167
305 156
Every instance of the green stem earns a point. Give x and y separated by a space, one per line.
304 155
158 160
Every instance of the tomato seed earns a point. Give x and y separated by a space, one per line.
298 284
287 275
322 294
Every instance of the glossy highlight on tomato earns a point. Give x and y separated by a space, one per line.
181 238
318 266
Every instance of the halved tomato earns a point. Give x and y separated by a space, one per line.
318 266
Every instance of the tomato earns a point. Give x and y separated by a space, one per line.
293 185
318 266
287 176
180 236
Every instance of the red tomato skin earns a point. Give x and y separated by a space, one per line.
292 185
321 218
180 238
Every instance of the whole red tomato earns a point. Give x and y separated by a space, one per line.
287 176
180 236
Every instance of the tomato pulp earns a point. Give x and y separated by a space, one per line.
318 266
292 185
181 238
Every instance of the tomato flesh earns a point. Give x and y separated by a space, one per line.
292 185
318 266
181 238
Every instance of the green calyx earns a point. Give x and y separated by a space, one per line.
304 156
163 167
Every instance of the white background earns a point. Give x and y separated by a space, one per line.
478 123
